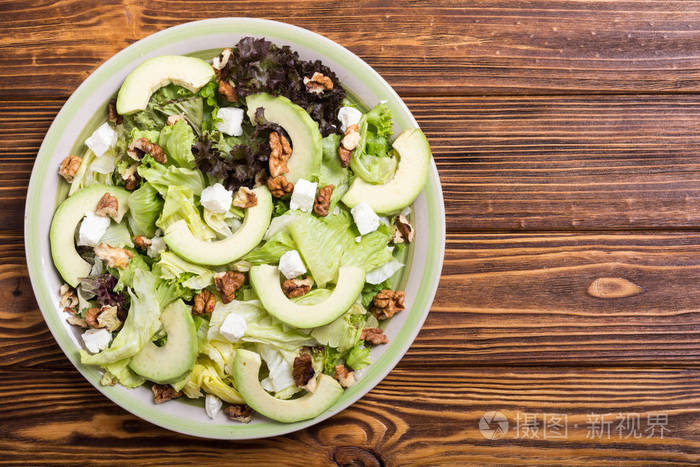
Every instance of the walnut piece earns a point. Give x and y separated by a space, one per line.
108 206
141 147
228 90
352 138
114 257
69 300
227 283
164 393
344 375
239 413
91 317
204 303
279 186
141 242
345 156
387 303
69 167
293 288
173 119
245 198
318 83
131 177
114 117
280 152
303 370
374 336
220 62
77 321
323 200
404 230
108 318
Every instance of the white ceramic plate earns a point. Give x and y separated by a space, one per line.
86 108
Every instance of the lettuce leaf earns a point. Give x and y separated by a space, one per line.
177 141
127 276
162 177
343 333
332 172
121 372
358 357
179 205
145 206
172 267
117 235
373 160
280 369
204 377
371 252
150 135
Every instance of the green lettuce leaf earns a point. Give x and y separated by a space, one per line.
332 172
358 357
205 378
343 333
150 135
373 160
172 267
163 177
371 252
118 236
145 206
127 276
177 140
179 205
121 372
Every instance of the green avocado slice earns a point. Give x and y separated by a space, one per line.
407 183
265 280
181 241
245 374
70 212
305 161
188 72
172 361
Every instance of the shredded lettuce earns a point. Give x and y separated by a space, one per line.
145 206
179 205
163 177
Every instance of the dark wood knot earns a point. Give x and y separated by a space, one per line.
352 456
613 287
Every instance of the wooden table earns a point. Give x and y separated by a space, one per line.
566 136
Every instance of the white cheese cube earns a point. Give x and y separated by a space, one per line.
233 327
291 265
365 218
96 340
92 229
156 247
382 273
348 116
212 405
102 139
216 198
303 195
231 121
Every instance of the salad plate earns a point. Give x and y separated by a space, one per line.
196 254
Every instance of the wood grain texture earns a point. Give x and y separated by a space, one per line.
517 299
428 48
414 417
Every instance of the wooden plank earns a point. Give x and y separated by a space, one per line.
445 47
515 163
56 417
524 299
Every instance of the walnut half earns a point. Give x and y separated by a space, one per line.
280 152
404 230
323 200
140 147
69 299
114 257
293 288
239 413
279 186
204 303
108 206
303 370
344 375
245 198
318 83
374 336
69 167
228 283
164 393
387 303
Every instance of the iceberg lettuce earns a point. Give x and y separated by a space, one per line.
179 205
332 172
172 267
205 377
145 206
177 140
163 177
117 235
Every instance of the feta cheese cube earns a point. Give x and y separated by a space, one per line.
216 198
233 327
231 121
212 405
291 265
92 229
156 248
365 218
102 139
382 273
96 340
348 116
303 195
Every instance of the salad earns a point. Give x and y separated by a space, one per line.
233 232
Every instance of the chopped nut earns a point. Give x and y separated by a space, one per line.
280 153
108 318
279 186
323 200
164 393
114 257
69 167
293 288
132 183
245 198
239 413
344 375
77 321
227 283
204 303
228 90
387 303
69 300
114 117
303 370
345 156
404 230
107 206
141 147
131 177
220 62
352 138
91 317
173 119
318 83
141 242
374 336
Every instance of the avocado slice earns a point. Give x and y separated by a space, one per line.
65 220
305 161
245 374
181 241
407 183
172 361
266 283
188 72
